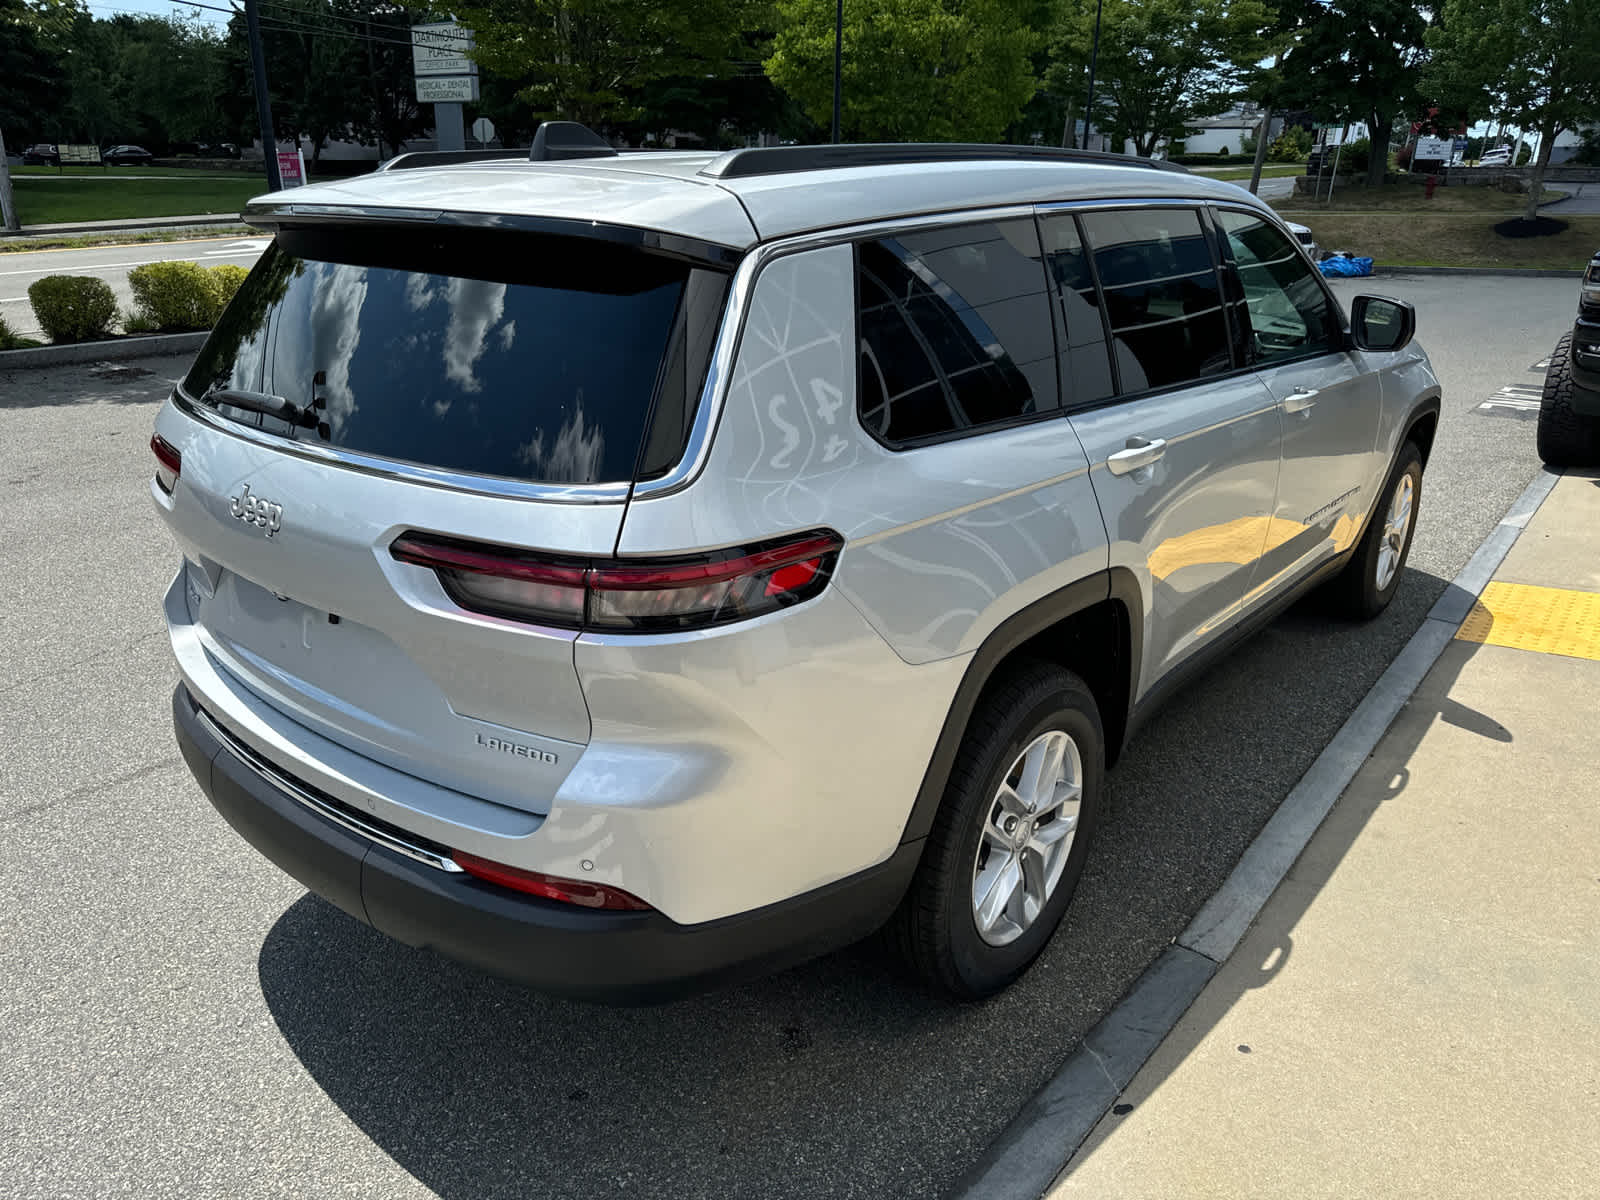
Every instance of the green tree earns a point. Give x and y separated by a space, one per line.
1355 60
30 74
913 70
387 114
1538 61
1162 63
585 60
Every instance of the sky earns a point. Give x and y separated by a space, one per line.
160 8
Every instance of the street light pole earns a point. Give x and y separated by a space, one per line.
838 60
8 208
258 64
1094 58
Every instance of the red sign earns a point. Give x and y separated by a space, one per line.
291 168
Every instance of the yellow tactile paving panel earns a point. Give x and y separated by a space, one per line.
1545 620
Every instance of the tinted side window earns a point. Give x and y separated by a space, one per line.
1289 312
1162 296
1085 364
954 331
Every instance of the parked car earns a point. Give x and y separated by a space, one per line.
1569 409
1306 238
126 156
635 588
1500 156
41 154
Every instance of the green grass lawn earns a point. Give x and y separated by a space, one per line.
1451 240
1398 226
1270 171
47 201
1410 197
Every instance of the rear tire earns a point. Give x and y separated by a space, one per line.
983 836
1566 438
1365 587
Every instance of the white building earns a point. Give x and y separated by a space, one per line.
1212 135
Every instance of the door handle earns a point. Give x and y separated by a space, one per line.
1141 452
1300 400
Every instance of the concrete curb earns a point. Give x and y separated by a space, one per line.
1032 1151
78 352
1515 272
130 225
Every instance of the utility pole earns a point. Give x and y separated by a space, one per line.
1263 133
838 62
258 64
1261 149
1094 58
8 208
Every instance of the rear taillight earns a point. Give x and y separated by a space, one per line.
168 463
550 887
641 596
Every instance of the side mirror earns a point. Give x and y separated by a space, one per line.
1380 324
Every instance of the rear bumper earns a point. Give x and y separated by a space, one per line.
614 957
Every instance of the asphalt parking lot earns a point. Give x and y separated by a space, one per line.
179 1018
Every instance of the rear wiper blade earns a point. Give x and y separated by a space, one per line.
262 402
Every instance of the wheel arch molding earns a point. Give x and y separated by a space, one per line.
1108 607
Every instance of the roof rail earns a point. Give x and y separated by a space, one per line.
779 160
444 158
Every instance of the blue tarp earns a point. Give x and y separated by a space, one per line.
1345 266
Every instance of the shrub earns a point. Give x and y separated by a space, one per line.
73 308
134 321
9 340
175 295
1292 145
1353 158
226 279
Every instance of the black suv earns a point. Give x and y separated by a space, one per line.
1569 412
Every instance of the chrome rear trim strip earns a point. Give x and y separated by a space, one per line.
306 799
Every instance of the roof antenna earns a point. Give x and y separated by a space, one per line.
557 140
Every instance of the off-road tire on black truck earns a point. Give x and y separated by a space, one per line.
1566 437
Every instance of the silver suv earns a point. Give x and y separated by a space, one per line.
627 573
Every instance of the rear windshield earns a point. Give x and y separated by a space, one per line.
532 358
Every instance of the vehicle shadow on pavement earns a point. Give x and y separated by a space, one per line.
1270 942
133 381
839 1077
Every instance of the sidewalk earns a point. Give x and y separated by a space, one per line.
1416 1010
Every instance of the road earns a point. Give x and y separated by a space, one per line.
1580 198
178 1018
111 263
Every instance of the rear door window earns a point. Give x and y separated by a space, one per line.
532 358
1163 300
954 331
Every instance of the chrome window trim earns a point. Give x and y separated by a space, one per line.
390 468
316 804
697 450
